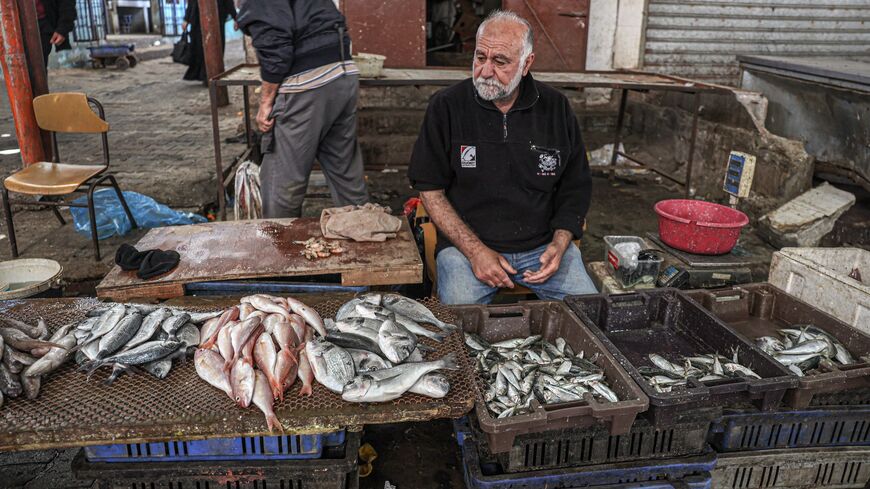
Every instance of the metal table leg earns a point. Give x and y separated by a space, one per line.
247 105
219 167
623 101
696 112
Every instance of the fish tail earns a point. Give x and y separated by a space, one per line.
450 362
273 422
306 391
90 367
277 389
447 327
81 345
438 337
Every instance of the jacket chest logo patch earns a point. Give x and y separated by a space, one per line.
468 156
547 163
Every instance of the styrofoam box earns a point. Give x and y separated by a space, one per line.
820 277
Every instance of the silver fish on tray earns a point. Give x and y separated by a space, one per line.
803 347
519 372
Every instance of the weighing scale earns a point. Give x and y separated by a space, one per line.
691 271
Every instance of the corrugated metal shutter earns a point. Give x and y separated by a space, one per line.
701 38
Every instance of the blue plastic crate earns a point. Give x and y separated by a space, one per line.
827 427
295 447
685 472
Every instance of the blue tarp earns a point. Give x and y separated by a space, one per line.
112 220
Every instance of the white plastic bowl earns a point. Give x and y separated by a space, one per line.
27 277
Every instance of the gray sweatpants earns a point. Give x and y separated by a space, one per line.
317 124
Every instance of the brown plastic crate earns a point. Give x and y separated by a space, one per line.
551 320
755 310
667 322
594 445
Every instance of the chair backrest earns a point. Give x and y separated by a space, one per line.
68 112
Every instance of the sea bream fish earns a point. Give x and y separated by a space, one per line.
332 366
396 341
390 384
415 311
434 385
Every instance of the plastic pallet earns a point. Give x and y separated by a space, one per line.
336 469
294 447
829 468
754 430
686 472
573 447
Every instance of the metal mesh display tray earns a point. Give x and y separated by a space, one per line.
72 411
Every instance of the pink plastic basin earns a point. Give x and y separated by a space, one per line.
699 227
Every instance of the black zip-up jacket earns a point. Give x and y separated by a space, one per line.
292 36
513 178
60 16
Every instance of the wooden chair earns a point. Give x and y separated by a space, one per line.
49 181
430 240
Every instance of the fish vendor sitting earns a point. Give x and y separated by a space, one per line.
501 168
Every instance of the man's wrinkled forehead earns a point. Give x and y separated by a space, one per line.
502 37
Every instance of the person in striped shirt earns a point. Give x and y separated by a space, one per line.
307 102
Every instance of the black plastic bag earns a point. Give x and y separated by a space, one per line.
181 51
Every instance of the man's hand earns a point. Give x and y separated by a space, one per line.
263 121
268 92
491 268
57 39
235 25
550 259
184 25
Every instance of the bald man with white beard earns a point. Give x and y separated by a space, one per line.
501 168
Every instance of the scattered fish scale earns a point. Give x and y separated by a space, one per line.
804 347
519 371
666 375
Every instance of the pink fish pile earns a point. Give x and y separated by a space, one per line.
265 332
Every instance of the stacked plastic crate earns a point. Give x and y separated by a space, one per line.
327 461
820 437
645 439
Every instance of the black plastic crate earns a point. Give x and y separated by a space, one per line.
691 472
828 468
667 322
336 469
577 447
755 430
854 397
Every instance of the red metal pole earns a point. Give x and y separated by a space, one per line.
13 60
33 47
211 43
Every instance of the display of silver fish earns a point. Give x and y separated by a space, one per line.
518 371
666 375
803 347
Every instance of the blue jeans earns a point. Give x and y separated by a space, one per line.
458 285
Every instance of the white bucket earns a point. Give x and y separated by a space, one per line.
369 65
27 277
